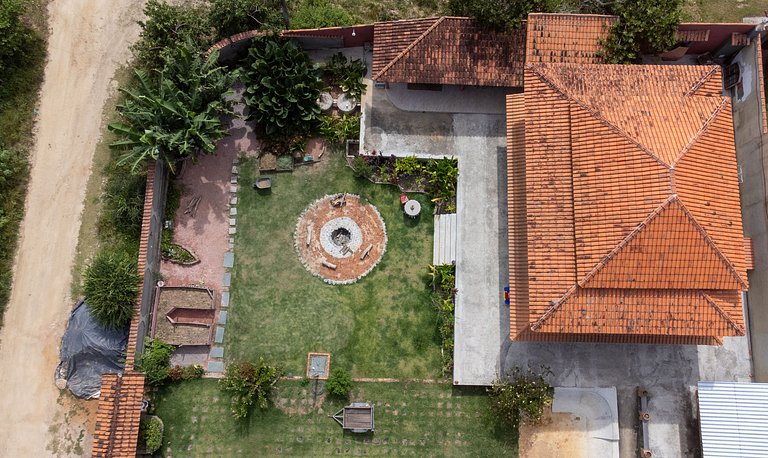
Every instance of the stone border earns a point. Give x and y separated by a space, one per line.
297 240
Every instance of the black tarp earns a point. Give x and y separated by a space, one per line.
88 350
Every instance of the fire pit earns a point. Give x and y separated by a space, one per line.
340 239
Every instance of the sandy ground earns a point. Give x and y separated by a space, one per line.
558 435
88 40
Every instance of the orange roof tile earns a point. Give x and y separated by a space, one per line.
632 204
118 415
561 38
446 50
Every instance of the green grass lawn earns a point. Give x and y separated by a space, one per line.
411 419
722 11
382 326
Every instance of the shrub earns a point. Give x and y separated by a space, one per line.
192 372
282 87
362 168
151 433
311 14
168 26
249 384
156 361
123 203
442 175
111 287
644 26
337 129
348 75
175 373
407 166
443 283
13 169
500 15
519 396
14 34
339 383
229 17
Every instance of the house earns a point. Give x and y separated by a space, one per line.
624 216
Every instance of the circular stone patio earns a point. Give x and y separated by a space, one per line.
340 243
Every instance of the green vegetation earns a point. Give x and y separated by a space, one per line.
175 115
339 383
249 384
346 74
644 27
337 129
500 15
280 311
411 419
442 175
408 166
111 286
443 284
22 57
151 434
178 373
520 396
310 14
282 87
156 361
722 11
370 11
229 17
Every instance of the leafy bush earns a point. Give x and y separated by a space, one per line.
13 169
644 26
151 433
177 373
156 361
167 26
234 16
123 203
443 284
442 175
176 114
14 35
500 15
348 75
282 87
311 14
249 384
362 168
339 383
520 396
408 166
337 129
111 288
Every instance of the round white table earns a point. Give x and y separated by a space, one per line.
412 208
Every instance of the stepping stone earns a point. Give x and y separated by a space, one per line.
229 259
236 160
234 170
217 352
227 279
215 366
233 211
223 317
233 201
233 189
225 299
232 221
230 246
233 179
219 335
232 240
232 231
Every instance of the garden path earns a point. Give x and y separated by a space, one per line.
88 40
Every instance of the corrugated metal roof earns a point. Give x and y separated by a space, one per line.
444 248
734 419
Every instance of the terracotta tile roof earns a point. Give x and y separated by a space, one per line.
632 204
446 50
118 415
566 38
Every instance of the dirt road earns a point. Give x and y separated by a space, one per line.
88 40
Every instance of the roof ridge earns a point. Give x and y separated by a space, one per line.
596 114
409 47
603 262
723 314
704 128
711 243
704 78
554 308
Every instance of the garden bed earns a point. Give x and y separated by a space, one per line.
183 315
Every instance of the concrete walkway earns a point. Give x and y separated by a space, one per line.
482 319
